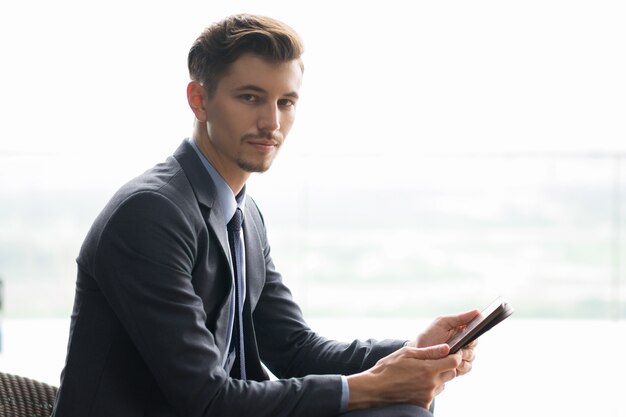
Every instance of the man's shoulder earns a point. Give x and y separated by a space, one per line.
160 197
166 179
155 208
161 189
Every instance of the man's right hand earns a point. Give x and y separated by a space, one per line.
408 376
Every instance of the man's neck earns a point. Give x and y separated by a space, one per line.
236 179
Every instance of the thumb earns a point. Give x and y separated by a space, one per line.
461 319
430 352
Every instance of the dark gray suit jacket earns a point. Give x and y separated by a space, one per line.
149 325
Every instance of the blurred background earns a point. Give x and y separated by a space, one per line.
445 153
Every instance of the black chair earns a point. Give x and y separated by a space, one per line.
24 397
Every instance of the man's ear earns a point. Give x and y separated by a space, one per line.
195 97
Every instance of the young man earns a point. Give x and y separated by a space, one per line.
176 307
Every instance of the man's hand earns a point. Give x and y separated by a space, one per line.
468 355
409 376
442 329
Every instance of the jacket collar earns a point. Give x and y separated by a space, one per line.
205 192
197 175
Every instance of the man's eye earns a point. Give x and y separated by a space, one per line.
286 102
250 98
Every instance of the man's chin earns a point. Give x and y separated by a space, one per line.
254 167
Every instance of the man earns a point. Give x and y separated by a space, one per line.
176 307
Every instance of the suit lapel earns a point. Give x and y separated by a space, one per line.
255 261
204 189
205 193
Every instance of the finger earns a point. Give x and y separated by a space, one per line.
468 355
447 376
455 360
431 352
471 345
464 368
455 320
448 364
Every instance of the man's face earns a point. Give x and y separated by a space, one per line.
250 114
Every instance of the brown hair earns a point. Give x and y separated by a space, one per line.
224 42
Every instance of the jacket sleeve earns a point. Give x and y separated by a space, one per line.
146 252
287 344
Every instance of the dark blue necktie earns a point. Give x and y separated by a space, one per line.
236 252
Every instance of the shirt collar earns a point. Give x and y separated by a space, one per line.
225 196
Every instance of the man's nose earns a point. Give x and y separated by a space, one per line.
269 118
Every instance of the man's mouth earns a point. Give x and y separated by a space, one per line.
263 145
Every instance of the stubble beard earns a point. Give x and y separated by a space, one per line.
250 166
265 164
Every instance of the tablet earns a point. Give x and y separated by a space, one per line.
489 317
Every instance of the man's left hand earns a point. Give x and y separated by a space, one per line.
442 329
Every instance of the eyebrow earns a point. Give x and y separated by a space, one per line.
252 87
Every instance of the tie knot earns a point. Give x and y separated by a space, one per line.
234 225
